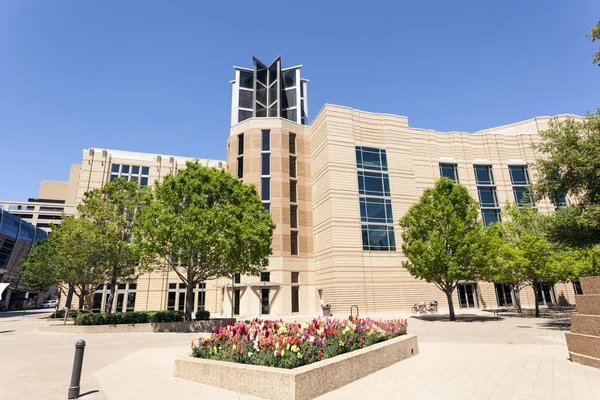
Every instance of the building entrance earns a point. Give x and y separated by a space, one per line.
467 295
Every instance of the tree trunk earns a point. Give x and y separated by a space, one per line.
517 293
82 297
189 296
113 291
450 304
535 299
70 296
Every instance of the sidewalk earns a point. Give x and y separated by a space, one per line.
487 358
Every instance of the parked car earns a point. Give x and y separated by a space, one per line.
49 304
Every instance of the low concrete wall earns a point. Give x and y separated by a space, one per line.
306 382
188 326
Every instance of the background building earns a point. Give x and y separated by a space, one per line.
16 238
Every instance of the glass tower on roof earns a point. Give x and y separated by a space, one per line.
269 92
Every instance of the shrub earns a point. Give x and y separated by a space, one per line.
72 313
290 345
138 317
202 315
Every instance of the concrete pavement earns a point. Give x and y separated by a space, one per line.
484 358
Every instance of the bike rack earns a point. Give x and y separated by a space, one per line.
352 308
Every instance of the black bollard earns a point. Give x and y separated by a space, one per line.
76 374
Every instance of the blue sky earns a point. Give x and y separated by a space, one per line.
152 76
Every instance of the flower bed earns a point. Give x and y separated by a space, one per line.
291 345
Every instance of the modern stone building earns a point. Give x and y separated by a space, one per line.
336 190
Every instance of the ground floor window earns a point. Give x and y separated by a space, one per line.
577 288
545 293
125 301
236 301
504 295
265 301
467 295
200 294
295 299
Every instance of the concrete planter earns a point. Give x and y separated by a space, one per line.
306 382
204 326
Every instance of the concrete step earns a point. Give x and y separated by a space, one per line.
590 284
583 344
588 304
585 360
585 324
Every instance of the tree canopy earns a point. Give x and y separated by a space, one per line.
593 36
443 238
203 223
112 210
72 255
570 167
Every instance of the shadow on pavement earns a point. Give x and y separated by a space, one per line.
557 325
19 313
88 392
459 318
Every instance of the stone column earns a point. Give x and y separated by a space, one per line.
584 340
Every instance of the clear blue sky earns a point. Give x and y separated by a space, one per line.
152 76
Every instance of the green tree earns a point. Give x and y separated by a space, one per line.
443 238
71 257
526 257
593 36
112 210
570 166
204 224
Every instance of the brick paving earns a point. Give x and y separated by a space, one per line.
480 358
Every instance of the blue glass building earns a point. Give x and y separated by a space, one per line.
17 236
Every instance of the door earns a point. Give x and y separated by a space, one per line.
466 295
264 301
545 293
504 295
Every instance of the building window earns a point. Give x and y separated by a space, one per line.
236 301
200 294
131 294
374 198
294 216
134 173
265 277
264 294
295 277
237 278
504 295
294 243
265 180
449 171
519 176
295 299
240 156
486 190
176 297
577 288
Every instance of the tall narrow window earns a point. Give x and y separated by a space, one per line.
374 199
519 176
449 171
265 176
240 156
293 196
488 199
295 299
200 296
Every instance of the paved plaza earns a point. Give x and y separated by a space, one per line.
481 357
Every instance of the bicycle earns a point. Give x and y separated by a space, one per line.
423 308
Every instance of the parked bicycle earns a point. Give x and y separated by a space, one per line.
424 308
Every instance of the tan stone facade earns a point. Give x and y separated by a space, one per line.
313 196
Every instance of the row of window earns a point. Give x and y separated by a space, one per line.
134 173
293 196
176 297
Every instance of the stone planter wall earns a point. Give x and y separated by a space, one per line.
306 382
187 326
584 340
